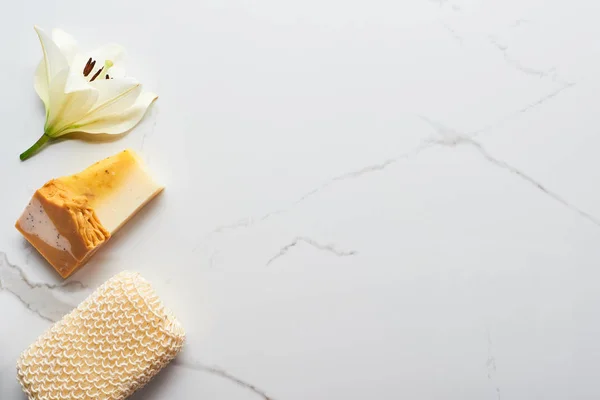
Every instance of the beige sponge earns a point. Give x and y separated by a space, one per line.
112 344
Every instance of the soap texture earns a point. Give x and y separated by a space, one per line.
70 218
111 345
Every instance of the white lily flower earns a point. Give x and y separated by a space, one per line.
85 92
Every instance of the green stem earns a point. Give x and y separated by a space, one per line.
35 148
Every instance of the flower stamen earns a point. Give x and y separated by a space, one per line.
96 74
89 67
105 68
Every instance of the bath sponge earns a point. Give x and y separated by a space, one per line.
112 344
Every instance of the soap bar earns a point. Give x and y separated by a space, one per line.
70 218
112 344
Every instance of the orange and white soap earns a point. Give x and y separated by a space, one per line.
70 218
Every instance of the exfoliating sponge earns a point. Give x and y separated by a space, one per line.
111 345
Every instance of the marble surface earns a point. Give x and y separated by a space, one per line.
382 199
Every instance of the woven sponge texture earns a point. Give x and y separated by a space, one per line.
112 344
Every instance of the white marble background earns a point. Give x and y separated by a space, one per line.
365 199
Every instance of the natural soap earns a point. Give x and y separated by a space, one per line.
70 218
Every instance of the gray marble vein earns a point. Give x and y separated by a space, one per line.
248 222
532 181
357 173
426 144
330 248
530 106
48 301
242 223
362 171
223 374
542 100
516 63
449 137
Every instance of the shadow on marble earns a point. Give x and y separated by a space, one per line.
34 258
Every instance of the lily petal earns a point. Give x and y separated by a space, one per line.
112 52
40 84
71 98
56 96
119 122
117 72
66 44
112 96
53 63
115 95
